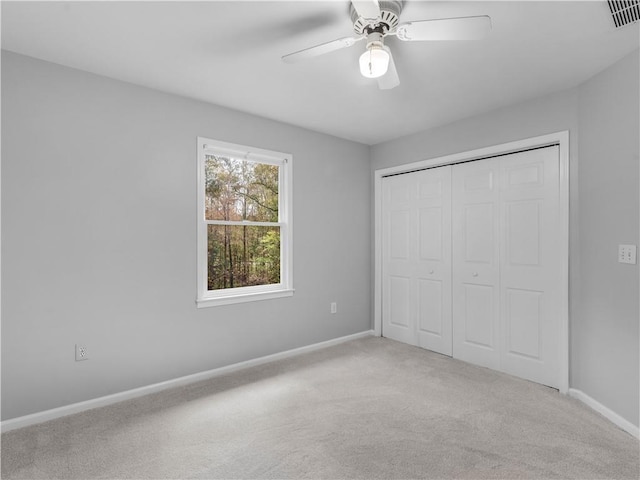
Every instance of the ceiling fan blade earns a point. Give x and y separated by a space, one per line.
390 79
369 9
321 49
460 28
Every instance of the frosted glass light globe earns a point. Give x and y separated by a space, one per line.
374 62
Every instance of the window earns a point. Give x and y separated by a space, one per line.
244 224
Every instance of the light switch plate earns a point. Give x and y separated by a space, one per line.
627 254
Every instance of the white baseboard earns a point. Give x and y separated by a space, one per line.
39 417
609 414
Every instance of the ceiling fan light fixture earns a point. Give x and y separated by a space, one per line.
374 62
374 20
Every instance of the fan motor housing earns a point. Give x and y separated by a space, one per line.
389 18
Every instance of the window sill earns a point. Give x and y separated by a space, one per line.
242 298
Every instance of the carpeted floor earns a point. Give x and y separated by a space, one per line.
371 408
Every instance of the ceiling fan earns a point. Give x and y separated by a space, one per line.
374 20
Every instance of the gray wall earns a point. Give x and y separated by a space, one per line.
99 237
602 119
607 358
98 222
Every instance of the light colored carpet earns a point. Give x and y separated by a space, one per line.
371 408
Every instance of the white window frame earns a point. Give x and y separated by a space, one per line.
226 296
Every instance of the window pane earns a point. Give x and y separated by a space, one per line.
243 256
240 190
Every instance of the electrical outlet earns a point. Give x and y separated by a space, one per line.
81 353
627 254
334 307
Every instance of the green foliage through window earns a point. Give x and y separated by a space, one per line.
241 191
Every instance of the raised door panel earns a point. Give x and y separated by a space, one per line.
431 184
399 293
399 234
478 232
522 232
523 323
431 233
431 307
479 311
478 179
398 313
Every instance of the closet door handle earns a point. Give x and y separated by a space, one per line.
430 272
474 274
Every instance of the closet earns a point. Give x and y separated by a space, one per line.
471 264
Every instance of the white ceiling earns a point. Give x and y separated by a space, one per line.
228 53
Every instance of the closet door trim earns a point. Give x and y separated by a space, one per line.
559 138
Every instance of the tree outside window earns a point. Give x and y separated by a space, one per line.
244 219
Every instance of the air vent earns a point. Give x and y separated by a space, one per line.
624 12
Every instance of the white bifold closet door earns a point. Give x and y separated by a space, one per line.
506 264
417 259
471 262
476 262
